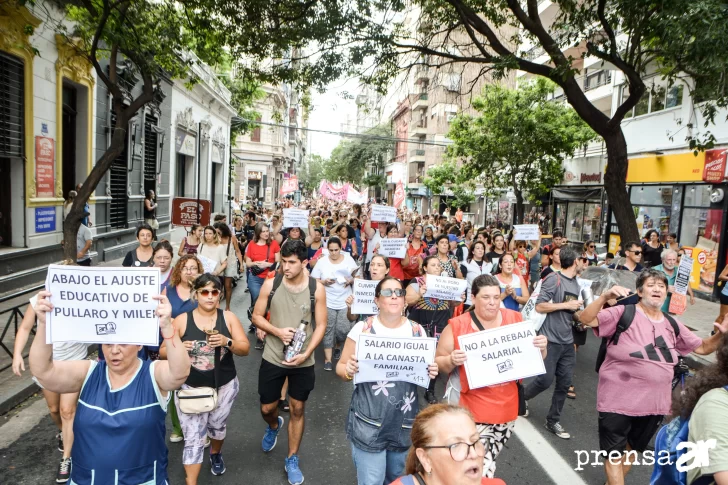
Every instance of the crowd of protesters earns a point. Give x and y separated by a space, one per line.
299 288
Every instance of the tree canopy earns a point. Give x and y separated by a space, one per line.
519 139
449 175
350 160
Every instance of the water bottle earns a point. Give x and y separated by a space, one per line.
294 348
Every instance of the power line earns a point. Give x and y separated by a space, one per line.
238 120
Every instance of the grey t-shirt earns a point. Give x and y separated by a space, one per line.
84 234
557 326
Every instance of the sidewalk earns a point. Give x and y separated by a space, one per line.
699 318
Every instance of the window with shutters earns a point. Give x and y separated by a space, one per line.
255 135
11 106
151 144
118 180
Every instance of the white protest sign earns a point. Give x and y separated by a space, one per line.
584 283
103 305
526 232
444 288
295 218
208 265
383 213
387 359
364 298
395 247
501 354
682 280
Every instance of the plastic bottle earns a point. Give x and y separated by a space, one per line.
294 348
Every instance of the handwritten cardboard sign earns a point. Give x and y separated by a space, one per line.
501 354
364 298
444 288
387 359
103 305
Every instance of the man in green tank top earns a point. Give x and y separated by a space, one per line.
290 309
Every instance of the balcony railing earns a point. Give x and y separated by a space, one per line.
416 178
418 152
534 52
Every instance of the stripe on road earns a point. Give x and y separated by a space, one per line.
546 455
22 422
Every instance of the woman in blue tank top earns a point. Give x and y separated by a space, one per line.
119 427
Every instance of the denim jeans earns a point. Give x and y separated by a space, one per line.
380 468
560 362
254 284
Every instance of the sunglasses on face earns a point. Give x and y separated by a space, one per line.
398 292
636 253
592 246
207 292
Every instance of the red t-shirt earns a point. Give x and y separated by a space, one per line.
413 270
497 404
257 252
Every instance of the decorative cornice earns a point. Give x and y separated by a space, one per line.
185 119
72 63
218 136
16 26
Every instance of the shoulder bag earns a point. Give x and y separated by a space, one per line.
255 269
198 400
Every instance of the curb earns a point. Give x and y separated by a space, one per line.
17 393
696 361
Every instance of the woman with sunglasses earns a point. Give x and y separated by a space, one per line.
381 413
432 313
590 253
335 273
179 292
211 337
446 449
495 408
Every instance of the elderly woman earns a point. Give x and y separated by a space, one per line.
378 422
645 353
669 267
119 426
447 449
211 337
495 408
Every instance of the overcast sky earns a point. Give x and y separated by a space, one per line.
330 111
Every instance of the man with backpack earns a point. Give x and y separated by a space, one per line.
294 300
559 300
637 360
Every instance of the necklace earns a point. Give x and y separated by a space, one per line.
212 321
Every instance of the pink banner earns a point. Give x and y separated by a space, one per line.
399 194
290 185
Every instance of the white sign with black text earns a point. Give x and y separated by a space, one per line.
208 265
395 247
501 354
384 213
364 298
682 280
387 359
526 232
444 288
295 218
103 305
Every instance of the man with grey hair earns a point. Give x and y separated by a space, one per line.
669 267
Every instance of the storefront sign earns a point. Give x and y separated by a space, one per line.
45 219
715 164
185 143
185 211
681 167
103 305
500 355
45 166
387 359
583 171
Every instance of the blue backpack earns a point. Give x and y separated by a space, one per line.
669 436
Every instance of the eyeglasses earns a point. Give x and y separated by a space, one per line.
207 292
190 269
592 246
398 292
460 451
636 253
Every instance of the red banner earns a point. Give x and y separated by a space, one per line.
185 213
715 162
290 185
45 166
399 194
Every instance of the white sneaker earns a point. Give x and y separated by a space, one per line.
175 438
207 441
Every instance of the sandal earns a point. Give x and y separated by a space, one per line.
571 393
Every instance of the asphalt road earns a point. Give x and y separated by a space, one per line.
532 456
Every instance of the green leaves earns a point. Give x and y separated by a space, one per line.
519 140
351 158
449 175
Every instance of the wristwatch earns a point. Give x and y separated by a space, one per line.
229 343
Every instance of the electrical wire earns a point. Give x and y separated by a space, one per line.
238 120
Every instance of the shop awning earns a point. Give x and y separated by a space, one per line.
579 194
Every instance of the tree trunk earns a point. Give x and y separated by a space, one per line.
615 183
519 206
73 221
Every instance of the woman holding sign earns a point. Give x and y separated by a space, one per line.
381 413
212 249
378 270
334 272
396 264
119 426
432 313
514 290
495 408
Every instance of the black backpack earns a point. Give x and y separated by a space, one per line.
311 289
624 322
